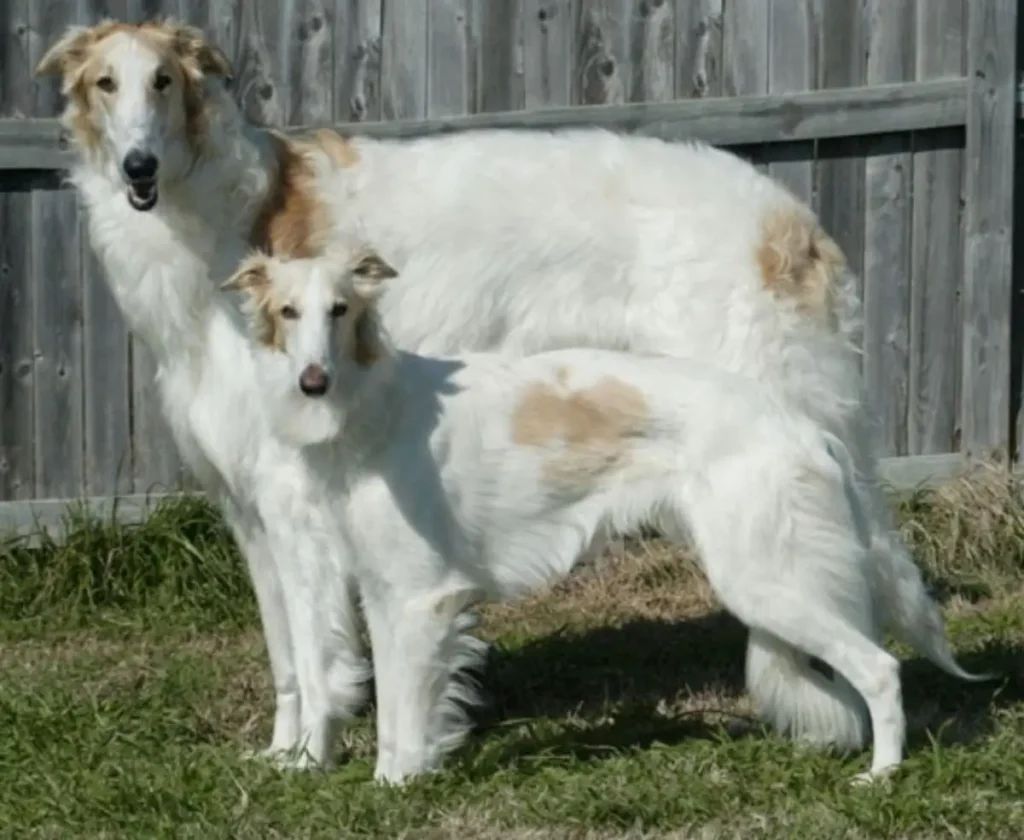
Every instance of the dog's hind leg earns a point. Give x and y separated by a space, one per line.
799 619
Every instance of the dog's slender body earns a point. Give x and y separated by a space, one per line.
507 241
456 478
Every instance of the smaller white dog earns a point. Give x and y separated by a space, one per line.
483 476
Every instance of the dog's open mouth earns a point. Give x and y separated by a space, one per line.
142 194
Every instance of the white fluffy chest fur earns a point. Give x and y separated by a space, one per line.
161 268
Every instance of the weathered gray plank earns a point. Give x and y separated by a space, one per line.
357 63
841 169
403 73
988 230
196 12
58 441
549 28
887 230
278 18
137 11
936 260
311 63
449 58
93 11
223 20
256 89
745 47
652 51
745 53
498 34
792 67
698 27
603 73
58 438
17 465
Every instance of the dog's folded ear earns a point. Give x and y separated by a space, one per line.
68 53
369 273
191 45
252 274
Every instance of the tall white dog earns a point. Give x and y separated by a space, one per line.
455 478
508 241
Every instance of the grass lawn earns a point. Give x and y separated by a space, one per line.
134 675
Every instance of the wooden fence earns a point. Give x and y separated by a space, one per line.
896 119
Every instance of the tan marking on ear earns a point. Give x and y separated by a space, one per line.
365 349
800 262
199 55
293 221
262 306
341 150
587 432
253 272
73 48
73 58
372 264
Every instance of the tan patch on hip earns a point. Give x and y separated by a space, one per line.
800 262
587 432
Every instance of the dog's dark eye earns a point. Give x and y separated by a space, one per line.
289 312
161 81
339 309
106 84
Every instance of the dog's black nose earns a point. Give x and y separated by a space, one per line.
140 166
313 381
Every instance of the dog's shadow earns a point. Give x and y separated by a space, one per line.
628 687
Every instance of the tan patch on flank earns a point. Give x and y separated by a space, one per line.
801 262
292 221
588 431
341 150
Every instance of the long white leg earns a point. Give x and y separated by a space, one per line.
385 672
252 542
802 621
424 641
307 579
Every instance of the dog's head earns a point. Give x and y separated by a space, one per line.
319 317
137 98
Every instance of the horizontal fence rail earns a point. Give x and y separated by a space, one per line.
732 121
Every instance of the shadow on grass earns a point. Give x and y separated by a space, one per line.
653 681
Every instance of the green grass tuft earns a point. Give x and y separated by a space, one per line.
180 564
